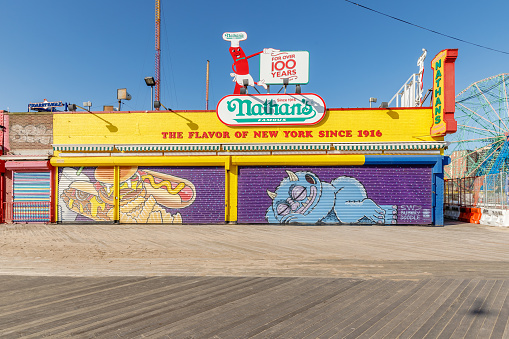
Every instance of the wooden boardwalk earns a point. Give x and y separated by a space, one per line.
252 307
414 282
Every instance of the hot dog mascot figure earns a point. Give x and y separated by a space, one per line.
240 64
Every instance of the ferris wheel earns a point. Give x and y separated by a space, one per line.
480 146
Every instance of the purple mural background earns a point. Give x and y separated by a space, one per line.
209 182
407 187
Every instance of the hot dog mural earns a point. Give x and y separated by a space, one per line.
146 195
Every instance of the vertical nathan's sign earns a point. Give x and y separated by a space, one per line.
443 93
276 67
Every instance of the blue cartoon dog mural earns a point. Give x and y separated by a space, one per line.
303 198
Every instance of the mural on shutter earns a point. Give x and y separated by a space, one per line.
173 195
335 195
86 194
31 199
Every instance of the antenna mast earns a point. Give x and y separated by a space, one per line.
158 52
207 88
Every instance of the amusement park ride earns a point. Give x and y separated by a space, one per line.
481 144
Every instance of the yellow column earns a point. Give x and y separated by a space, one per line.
55 191
116 187
227 190
231 185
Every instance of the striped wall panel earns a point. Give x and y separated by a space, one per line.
31 186
31 196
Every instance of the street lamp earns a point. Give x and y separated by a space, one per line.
87 104
151 82
122 95
74 107
158 104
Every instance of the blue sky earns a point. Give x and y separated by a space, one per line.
75 51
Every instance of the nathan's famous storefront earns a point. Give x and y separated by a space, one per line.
355 166
265 158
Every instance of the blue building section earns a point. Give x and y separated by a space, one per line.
436 161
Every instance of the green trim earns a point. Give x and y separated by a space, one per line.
359 147
389 146
277 147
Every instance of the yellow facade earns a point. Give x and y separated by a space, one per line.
193 127
339 126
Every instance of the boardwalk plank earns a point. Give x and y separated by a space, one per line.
461 305
320 313
354 311
257 281
240 312
89 307
489 325
237 312
501 328
114 305
372 314
297 305
401 313
442 286
392 311
415 310
483 310
172 304
470 313
171 312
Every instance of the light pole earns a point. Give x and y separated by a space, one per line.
87 104
122 95
151 82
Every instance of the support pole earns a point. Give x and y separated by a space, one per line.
207 88
158 53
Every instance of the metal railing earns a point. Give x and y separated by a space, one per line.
38 211
488 191
409 94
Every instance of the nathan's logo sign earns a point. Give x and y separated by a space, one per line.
271 109
240 36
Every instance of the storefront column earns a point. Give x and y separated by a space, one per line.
7 208
438 190
232 172
116 188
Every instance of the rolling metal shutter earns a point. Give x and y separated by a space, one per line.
31 198
147 194
335 195
177 195
86 194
